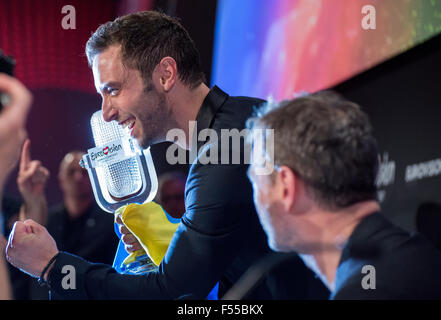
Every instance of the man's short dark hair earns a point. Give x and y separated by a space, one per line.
329 143
146 38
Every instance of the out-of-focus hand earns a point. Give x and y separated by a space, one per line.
31 181
5 285
12 123
3 243
32 175
30 247
131 243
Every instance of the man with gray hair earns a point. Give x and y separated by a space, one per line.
320 201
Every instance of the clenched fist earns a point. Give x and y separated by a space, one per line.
30 247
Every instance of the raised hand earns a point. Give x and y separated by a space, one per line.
32 175
31 180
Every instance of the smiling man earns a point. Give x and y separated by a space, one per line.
132 103
147 70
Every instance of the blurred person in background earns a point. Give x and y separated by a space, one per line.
171 193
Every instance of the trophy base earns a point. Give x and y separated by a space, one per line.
142 265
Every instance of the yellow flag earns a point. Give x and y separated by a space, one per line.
149 224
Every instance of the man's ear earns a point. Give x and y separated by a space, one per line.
167 73
287 180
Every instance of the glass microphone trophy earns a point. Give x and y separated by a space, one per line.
121 173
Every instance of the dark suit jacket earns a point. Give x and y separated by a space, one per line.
219 236
406 266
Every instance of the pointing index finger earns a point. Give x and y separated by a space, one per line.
25 155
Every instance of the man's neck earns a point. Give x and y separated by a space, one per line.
76 206
336 231
185 109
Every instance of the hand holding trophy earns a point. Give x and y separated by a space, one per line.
124 182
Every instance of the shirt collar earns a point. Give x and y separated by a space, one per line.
210 106
361 247
361 243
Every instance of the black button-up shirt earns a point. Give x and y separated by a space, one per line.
218 238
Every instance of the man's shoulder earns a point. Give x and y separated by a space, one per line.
391 264
390 279
223 148
378 238
243 104
245 100
217 174
235 111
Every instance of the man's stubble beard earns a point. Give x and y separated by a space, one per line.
283 238
157 122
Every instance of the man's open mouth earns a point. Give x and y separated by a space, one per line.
129 123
